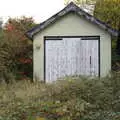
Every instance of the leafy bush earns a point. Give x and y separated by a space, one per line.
16 48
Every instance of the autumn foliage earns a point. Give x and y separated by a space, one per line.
15 48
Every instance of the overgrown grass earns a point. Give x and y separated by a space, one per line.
71 99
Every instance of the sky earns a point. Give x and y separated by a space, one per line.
40 10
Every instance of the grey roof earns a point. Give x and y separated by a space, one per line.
71 8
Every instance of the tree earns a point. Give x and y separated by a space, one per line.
109 12
15 46
87 5
78 2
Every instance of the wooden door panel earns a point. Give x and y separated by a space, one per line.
69 57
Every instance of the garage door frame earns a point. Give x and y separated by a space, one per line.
61 38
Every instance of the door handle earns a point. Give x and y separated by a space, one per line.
90 60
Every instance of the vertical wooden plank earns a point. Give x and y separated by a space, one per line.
73 54
94 57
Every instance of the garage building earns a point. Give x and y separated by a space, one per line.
71 42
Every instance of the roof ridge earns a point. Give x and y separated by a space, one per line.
71 7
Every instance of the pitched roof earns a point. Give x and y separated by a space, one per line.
71 8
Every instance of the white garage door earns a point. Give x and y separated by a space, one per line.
71 56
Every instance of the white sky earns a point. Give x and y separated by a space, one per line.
40 10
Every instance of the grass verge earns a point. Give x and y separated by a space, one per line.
71 99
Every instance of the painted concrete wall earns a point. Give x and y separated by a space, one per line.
72 25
